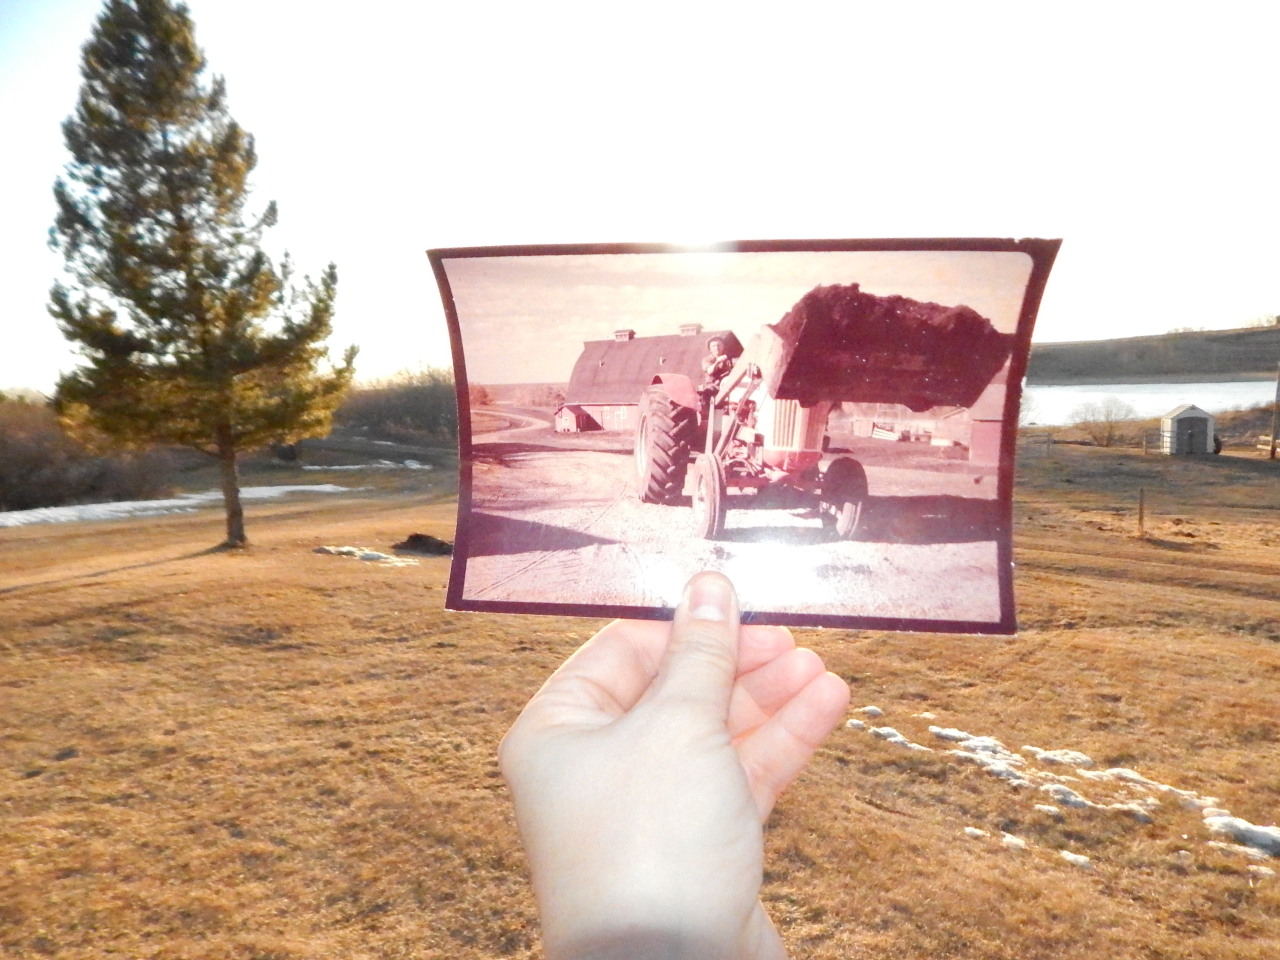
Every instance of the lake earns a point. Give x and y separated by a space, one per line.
1054 405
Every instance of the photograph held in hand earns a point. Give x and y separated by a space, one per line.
831 424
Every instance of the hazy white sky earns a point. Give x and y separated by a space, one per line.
1141 133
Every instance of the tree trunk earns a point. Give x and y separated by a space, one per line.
231 489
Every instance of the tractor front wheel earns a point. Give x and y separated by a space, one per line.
844 487
708 497
664 437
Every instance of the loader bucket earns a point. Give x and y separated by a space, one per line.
840 344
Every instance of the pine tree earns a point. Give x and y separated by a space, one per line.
191 334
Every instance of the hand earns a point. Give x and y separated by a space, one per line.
642 773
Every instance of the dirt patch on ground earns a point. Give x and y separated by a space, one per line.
557 520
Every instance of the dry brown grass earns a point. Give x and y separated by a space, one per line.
280 754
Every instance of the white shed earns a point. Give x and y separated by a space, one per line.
1187 429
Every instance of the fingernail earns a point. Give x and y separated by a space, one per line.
709 598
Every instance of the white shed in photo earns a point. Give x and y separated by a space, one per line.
1186 429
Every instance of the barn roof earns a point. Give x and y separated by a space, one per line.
617 371
1187 409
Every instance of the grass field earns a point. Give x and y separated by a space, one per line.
276 754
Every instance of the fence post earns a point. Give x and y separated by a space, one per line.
1142 511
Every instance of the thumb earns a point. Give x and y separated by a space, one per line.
701 658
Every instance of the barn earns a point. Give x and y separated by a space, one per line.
1186 430
611 375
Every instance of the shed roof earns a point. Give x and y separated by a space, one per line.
1187 410
617 371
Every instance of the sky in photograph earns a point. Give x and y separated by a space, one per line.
1139 133
524 319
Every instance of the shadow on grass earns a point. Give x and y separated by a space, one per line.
1179 546
210 551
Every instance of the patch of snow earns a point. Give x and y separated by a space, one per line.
1260 871
1260 838
926 716
1239 850
893 736
1189 798
1077 859
991 746
1071 758
1066 796
973 833
1139 796
856 725
379 465
987 752
372 556
1120 774
871 711
126 509
950 733
1013 843
995 766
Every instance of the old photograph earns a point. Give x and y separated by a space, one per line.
827 424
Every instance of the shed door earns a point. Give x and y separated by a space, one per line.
1193 436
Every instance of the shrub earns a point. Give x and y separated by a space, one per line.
40 466
1245 425
408 406
1106 421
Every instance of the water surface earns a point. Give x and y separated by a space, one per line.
1056 405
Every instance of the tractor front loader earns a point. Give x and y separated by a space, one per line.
765 423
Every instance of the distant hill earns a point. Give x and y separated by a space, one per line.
529 394
1242 354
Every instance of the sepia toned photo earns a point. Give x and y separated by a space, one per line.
828 424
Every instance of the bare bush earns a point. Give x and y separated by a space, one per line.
408 406
1027 410
40 466
1107 421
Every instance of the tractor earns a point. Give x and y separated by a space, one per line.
765 423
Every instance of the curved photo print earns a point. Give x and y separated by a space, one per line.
830 424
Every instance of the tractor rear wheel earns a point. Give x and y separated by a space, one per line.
845 487
664 437
708 497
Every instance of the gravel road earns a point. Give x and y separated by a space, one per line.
555 519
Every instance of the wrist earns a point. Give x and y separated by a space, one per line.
636 943
755 939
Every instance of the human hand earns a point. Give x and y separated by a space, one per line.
642 773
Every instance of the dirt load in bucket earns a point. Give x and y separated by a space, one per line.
840 344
